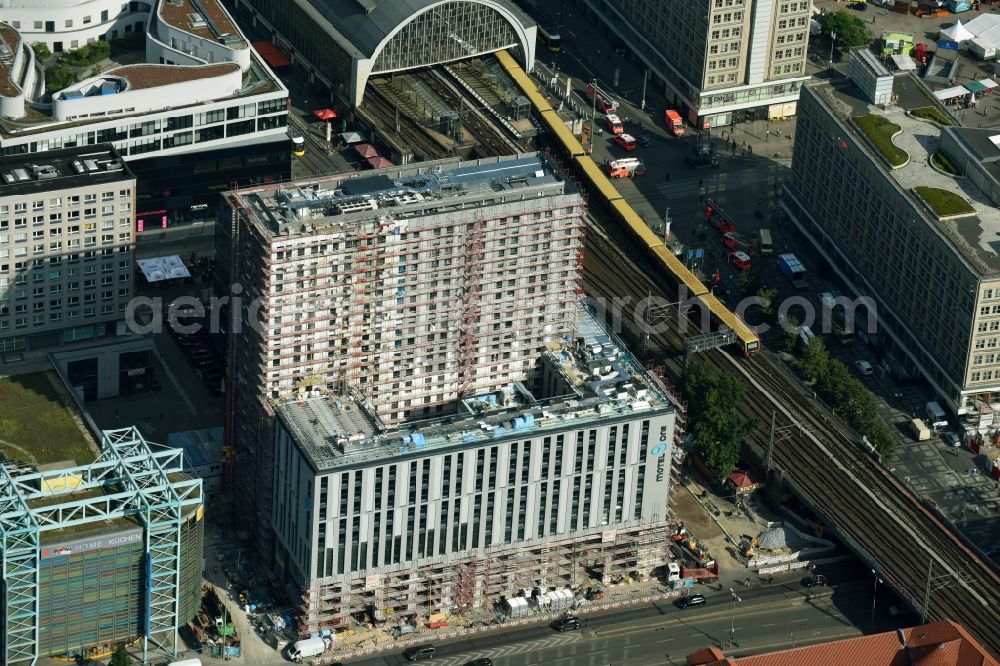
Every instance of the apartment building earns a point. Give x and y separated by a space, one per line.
414 285
897 227
719 61
513 492
187 102
67 221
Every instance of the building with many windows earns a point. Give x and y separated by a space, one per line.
67 235
719 61
186 101
414 285
100 554
518 490
343 43
897 227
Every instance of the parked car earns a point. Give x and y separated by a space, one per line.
691 601
859 6
645 140
419 652
739 260
864 368
818 580
952 439
482 661
567 624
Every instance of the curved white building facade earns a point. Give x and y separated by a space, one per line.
64 25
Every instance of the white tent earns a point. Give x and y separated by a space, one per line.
903 62
951 93
986 26
956 33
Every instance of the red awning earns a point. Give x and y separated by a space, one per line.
366 150
271 55
741 479
324 114
378 162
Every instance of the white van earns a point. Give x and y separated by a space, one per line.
186 662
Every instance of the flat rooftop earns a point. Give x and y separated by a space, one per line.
10 42
152 76
405 191
203 18
62 169
604 380
973 236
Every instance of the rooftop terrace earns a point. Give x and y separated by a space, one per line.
403 190
10 42
605 382
974 235
204 18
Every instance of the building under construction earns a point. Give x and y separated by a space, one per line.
412 286
513 492
101 554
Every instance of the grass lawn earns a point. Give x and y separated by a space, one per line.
32 417
881 131
943 202
931 113
942 162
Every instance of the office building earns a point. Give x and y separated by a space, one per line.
895 226
513 492
343 43
101 554
719 61
191 106
67 221
413 285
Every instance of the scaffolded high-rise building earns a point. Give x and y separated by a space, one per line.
409 286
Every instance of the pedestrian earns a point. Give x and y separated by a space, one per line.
701 182
746 583
750 148
668 176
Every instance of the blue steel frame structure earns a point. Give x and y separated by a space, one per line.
135 483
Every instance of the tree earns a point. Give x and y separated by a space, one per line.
815 359
880 436
790 324
121 657
57 78
850 30
42 51
749 281
717 426
768 296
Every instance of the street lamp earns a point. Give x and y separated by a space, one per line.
732 622
874 593
833 41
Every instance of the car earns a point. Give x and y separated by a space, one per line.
419 652
859 6
818 580
952 439
864 368
645 140
691 601
740 260
567 624
482 661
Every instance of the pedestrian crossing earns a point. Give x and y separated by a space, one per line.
511 649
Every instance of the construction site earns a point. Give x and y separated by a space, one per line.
411 285
514 497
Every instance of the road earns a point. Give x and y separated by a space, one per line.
769 618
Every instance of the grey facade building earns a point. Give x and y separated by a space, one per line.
927 257
344 42
66 246
412 285
512 492
719 61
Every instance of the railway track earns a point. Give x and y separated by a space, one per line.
491 141
411 136
825 465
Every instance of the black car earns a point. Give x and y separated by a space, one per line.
814 581
693 600
567 624
644 140
482 661
859 6
419 652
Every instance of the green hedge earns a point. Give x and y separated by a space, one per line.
881 131
943 202
942 162
931 113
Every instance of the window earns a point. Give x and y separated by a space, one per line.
209 117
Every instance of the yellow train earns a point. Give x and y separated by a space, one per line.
600 188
